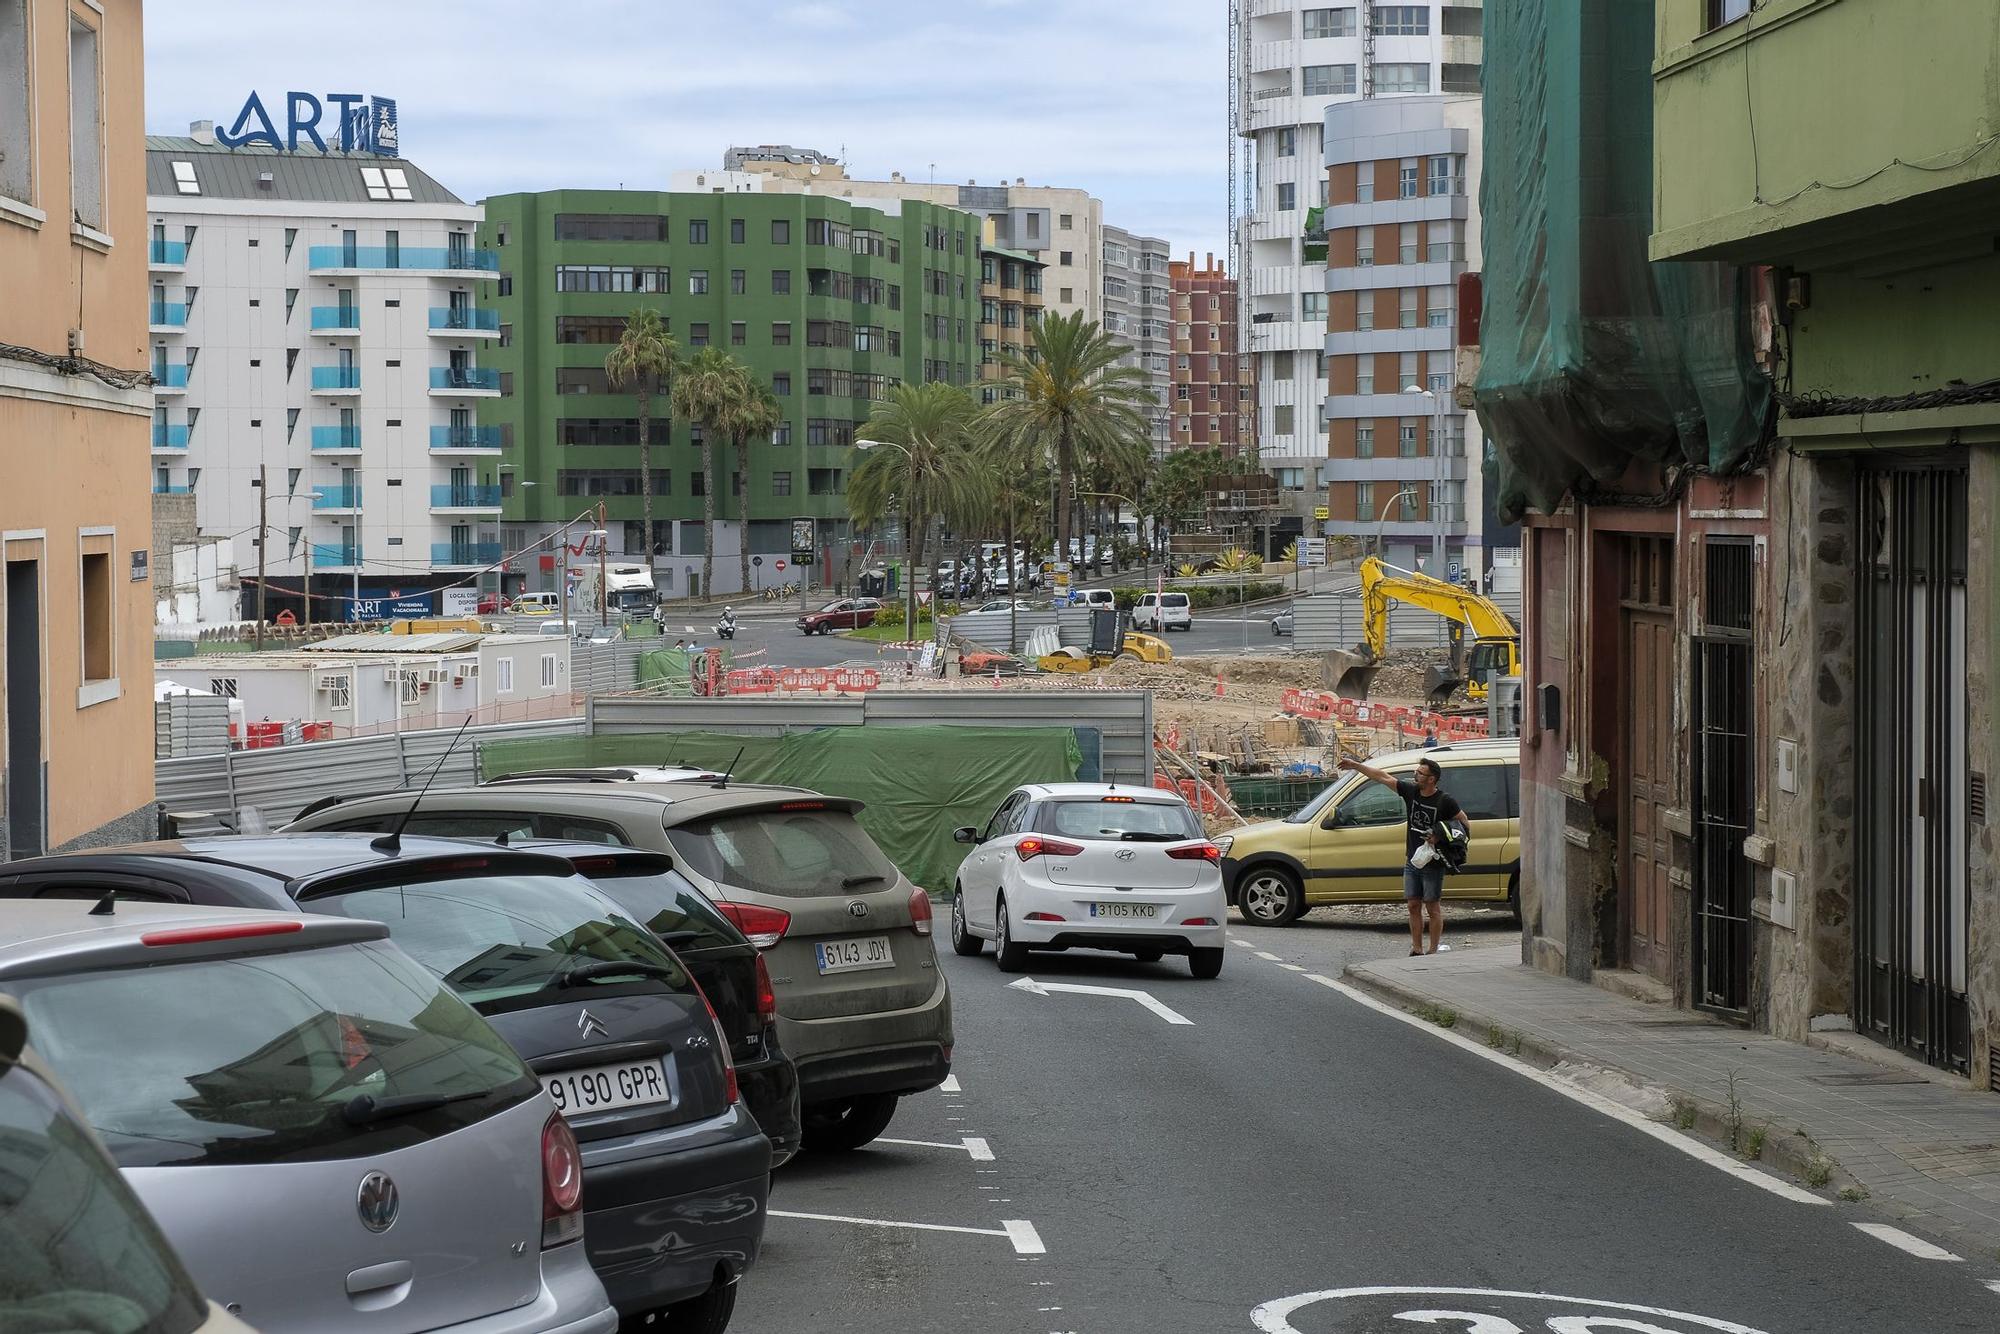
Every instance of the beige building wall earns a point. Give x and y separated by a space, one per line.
76 711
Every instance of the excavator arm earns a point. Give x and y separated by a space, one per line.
1383 584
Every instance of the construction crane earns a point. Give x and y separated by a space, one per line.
1496 641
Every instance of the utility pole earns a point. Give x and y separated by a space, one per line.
263 539
562 576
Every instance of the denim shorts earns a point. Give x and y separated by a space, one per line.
1426 884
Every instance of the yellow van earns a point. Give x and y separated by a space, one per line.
1347 845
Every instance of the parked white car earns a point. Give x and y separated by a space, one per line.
1091 866
1162 612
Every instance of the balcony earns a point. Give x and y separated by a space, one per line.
337 380
464 322
341 438
337 498
166 317
444 438
167 255
465 381
337 321
336 556
1274 280
464 555
169 437
442 260
172 489
465 496
170 379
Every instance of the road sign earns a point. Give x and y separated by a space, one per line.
758 561
1322 512
1312 551
1456 570
780 566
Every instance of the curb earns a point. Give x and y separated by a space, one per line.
1791 1153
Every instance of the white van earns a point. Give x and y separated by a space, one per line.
1163 612
1094 598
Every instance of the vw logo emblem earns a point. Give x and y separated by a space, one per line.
590 1025
856 908
1124 854
376 1202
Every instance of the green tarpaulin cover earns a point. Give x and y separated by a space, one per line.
917 783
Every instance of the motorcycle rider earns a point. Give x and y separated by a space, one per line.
727 626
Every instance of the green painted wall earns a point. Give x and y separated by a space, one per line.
1906 334
521 228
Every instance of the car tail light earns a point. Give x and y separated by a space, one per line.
1196 852
765 926
767 997
1199 921
920 912
1031 847
1044 917
562 1183
1125 800
201 935
730 1091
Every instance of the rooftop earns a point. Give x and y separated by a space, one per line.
305 175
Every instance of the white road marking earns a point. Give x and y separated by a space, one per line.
1294 967
1020 1232
1903 1241
1694 1148
1263 954
1244 943
1034 988
950 1084
1993 1286
977 1148
1273 1317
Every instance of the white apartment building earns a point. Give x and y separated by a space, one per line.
312 326
1293 60
1138 311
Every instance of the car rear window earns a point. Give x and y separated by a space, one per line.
1129 821
508 938
799 853
80 1251
1174 600
669 906
258 1058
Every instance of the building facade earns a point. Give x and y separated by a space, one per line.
1138 311
1293 61
313 331
1214 386
1403 467
829 303
76 611
1010 304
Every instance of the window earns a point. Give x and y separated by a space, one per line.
652 278
698 231
1402 79
600 329
17 128
1406 181
1364 500
1288 142
825 482
611 227
781 484
1726 11
1461 21
1328 80
1288 196
1407 509
184 179
1407 376
503 676
99 663
1364 375
1437 307
1329 23
736 231
86 129
1444 176
1281 419
697 335
1312 305
739 333
1400 20
1364 311
548 671
386 183
781 231
1364 184
781 384
698 282
781 282
1406 440
1364 440
1459 78
781 334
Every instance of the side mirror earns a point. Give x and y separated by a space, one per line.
965 834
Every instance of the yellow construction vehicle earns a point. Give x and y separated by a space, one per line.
1495 647
1145 648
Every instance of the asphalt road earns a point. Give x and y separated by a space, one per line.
1147 1177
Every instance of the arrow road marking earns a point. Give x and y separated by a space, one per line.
1031 986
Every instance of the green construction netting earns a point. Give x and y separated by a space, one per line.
917 783
665 670
1592 356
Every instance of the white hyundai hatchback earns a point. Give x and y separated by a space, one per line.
1091 866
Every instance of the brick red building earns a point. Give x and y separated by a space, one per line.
1215 389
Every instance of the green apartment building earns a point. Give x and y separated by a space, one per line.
827 302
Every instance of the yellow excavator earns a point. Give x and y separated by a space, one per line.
1495 648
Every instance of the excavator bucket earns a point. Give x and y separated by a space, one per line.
1440 684
1349 675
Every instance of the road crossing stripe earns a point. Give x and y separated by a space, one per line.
1903 1241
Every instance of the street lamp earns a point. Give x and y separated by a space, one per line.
1383 517
1438 506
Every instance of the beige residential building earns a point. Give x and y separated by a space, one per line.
76 616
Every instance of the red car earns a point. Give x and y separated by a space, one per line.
492 604
846 614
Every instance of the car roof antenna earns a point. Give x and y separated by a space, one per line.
722 780
106 906
393 840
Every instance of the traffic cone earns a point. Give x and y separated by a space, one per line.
1218 687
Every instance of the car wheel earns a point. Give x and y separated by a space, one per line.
706 1314
1270 896
1149 955
963 942
1206 963
847 1124
1013 957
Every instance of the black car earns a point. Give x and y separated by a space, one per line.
730 969
676 1171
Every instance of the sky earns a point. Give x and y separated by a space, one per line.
1127 101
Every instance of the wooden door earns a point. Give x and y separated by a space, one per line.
1647 793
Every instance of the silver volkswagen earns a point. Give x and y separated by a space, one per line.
329 1136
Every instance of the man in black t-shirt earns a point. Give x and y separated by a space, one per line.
1427 809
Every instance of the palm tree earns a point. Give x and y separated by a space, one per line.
1017 476
755 416
918 460
643 361
1069 400
706 391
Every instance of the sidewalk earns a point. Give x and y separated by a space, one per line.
1924 1149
